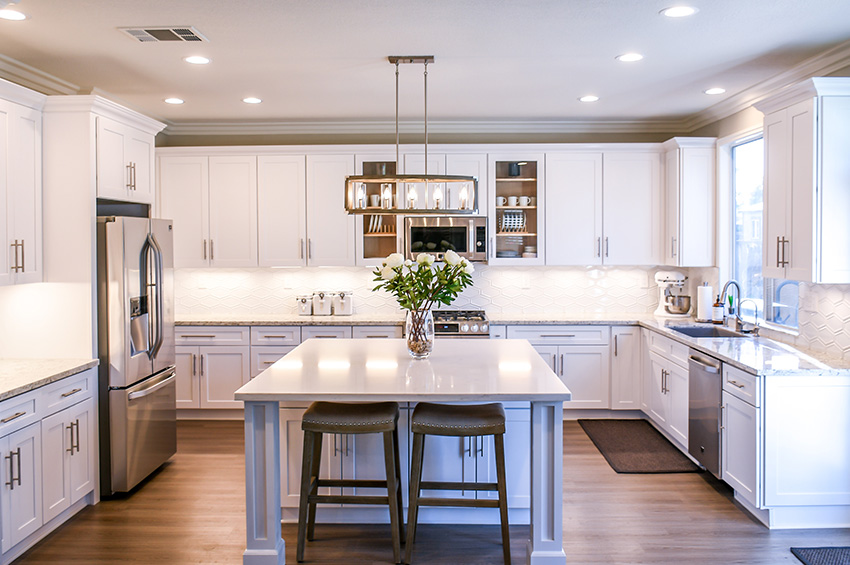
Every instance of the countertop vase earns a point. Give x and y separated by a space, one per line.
419 329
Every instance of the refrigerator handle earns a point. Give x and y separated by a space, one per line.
157 293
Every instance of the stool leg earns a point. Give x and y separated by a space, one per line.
306 480
314 472
392 490
413 502
399 501
499 440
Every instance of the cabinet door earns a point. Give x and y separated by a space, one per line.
670 243
139 152
7 253
574 209
376 332
22 509
471 165
112 166
631 208
24 196
55 442
330 230
776 186
517 459
694 244
625 368
325 332
233 211
800 216
187 376
516 228
223 370
82 462
264 357
585 371
449 459
281 210
741 448
677 393
656 390
549 353
184 198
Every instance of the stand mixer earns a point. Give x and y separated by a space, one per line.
671 302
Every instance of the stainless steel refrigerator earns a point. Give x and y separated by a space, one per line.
137 386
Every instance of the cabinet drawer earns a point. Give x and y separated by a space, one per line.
562 335
67 392
498 332
211 335
275 335
308 332
264 357
18 412
669 348
745 386
376 332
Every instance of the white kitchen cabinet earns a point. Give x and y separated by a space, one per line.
223 369
330 229
517 459
740 450
20 503
125 162
516 228
631 203
281 205
212 362
667 390
213 202
291 450
574 209
325 332
376 236
806 233
68 457
579 355
377 332
626 368
689 202
264 357
187 376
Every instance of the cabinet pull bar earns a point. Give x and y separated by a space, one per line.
71 392
275 337
309 248
23 257
615 346
212 250
720 420
70 428
672 246
480 449
194 364
491 248
17 453
269 362
599 247
11 482
557 335
12 417
562 365
735 383
784 260
129 168
606 246
77 442
202 365
301 248
205 250
192 336
777 251
376 336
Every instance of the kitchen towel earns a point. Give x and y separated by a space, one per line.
704 302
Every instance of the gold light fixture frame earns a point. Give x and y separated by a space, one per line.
400 194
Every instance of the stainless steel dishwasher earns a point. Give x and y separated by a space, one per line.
705 377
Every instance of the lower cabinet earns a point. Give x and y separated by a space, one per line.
20 504
666 386
740 442
207 376
625 368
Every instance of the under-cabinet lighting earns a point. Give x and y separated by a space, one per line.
629 57
679 11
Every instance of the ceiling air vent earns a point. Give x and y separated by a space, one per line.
154 34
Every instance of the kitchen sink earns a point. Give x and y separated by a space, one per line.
706 331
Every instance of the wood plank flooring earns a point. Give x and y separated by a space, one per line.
193 511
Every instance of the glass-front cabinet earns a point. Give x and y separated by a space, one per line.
377 234
514 209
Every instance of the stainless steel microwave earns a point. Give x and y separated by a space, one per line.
465 235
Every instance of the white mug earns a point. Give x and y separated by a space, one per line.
375 200
524 200
513 200
501 201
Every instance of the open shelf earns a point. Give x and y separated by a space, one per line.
380 234
517 233
516 179
506 207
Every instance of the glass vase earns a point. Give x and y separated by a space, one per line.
419 329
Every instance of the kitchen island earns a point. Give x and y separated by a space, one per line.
362 370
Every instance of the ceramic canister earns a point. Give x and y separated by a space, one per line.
305 305
322 303
343 303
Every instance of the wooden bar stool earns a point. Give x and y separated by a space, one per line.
349 418
457 421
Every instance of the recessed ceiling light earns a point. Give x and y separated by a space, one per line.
173 101
679 11
717 90
629 57
12 15
197 60
589 98
251 100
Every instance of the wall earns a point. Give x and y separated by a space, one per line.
227 293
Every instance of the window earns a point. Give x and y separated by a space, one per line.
776 299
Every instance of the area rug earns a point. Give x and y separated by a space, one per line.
634 446
822 555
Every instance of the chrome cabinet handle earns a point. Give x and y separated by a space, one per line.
12 478
672 247
557 335
23 257
615 346
14 416
784 259
205 250
606 246
480 450
71 392
562 364
70 428
194 364
275 337
195 336
720 420
129 168
301 248
491 247
376 336
76 445
212 250
599 247
309 248
202 365
735 383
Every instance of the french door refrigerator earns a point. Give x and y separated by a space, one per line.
136 383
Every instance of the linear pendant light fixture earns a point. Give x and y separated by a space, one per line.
411 194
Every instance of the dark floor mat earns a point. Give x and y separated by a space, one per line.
822 555
634 446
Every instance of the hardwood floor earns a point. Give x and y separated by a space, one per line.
192 511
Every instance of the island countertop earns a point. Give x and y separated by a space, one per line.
372 370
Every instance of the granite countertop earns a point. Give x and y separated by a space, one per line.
21 375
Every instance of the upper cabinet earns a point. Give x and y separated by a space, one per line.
376 235
330 229
689 197
125 162
603 208
20 185
281 222
515 204
807 175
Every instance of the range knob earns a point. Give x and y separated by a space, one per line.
484 327
474 328
464 328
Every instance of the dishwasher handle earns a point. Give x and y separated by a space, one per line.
706 365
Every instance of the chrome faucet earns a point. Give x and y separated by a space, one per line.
734 310
755 329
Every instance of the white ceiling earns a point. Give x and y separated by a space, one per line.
496 60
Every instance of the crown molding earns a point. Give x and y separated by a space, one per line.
92 103
824 63
30 77
21 95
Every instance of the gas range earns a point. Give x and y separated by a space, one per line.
461 323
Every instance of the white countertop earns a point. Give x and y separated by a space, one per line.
372 370
21 375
